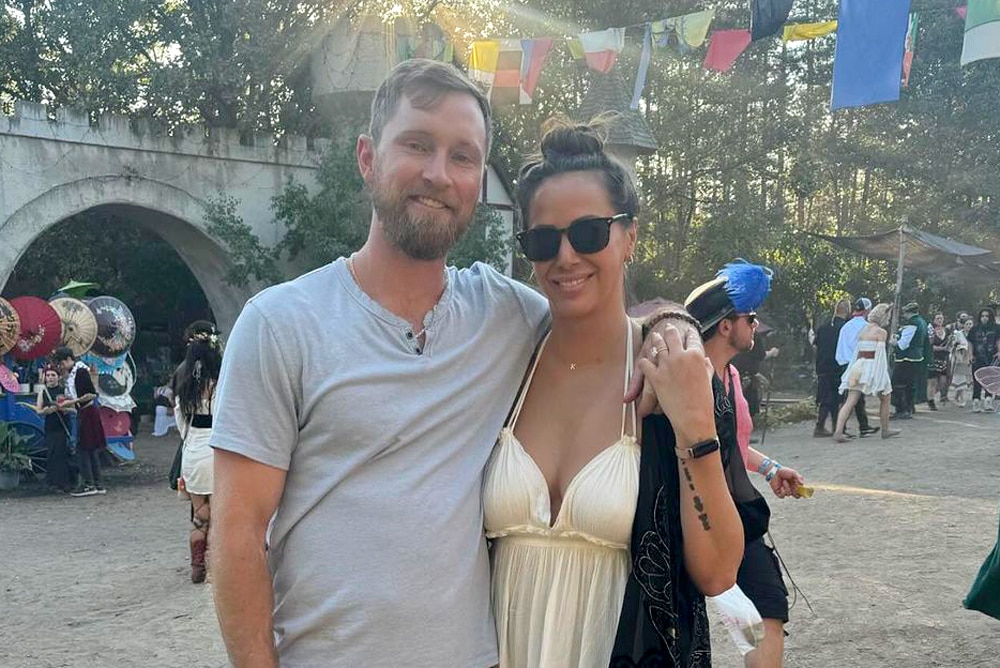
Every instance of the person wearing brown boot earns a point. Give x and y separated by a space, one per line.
195 383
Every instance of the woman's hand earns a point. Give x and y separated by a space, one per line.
681 376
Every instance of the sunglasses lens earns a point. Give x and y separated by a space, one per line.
540 244
589 235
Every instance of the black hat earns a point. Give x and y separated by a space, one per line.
740 287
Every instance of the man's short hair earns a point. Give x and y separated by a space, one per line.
61 353
424 82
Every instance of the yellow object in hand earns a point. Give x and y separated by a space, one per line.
803 492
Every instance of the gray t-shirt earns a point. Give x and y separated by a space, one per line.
377 550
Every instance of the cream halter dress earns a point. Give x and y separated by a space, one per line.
558 586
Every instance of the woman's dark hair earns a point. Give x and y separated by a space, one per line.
567 147
198 375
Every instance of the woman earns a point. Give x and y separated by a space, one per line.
983 340
600 555
937 372
193 409
961 363
53 404
868 373
90 439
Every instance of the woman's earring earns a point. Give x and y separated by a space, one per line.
629 259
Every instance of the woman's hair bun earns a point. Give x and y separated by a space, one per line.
564 139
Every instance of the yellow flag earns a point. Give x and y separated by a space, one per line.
796 32
483 60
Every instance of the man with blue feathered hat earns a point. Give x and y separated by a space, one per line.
727 307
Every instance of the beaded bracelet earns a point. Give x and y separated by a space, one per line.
656 318
765 465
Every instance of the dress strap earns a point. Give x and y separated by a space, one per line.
629 365
512 420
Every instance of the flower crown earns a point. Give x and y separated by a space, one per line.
211 338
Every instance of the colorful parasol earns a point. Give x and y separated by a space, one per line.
77 289
79 327
10 326
41 328
115 326
8 380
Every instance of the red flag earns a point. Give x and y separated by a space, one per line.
724 48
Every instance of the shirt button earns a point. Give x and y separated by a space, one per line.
419 351
409 335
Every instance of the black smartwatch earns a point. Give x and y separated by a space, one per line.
699 449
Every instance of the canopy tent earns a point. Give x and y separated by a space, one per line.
925 252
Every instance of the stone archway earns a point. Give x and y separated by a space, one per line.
168 211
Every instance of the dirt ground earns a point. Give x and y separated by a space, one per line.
884 552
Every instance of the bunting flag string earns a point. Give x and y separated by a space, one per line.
875 44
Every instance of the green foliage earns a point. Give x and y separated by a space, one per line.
13 449
249 259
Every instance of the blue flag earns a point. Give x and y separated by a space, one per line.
871 40
767 17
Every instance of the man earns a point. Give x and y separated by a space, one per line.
847 343
909 375
357 407
726 308
749 364
983 341
828 370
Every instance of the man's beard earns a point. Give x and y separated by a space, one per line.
420 238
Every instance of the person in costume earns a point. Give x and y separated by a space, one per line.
727 307
911 358
940 362
961 363
868 373
580 517
847 344
193 409
983 339
90 438
828 371
54 405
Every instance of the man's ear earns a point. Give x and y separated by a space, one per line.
364 151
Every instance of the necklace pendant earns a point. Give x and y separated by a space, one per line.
572 367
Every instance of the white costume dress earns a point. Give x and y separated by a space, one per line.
558 587
198 461
868 374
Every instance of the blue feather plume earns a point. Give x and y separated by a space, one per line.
747 285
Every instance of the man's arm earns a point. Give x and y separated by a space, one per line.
244 499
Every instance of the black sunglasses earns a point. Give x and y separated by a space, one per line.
751 318
587 235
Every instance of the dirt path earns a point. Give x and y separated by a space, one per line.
885 552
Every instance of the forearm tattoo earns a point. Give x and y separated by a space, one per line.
698 505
